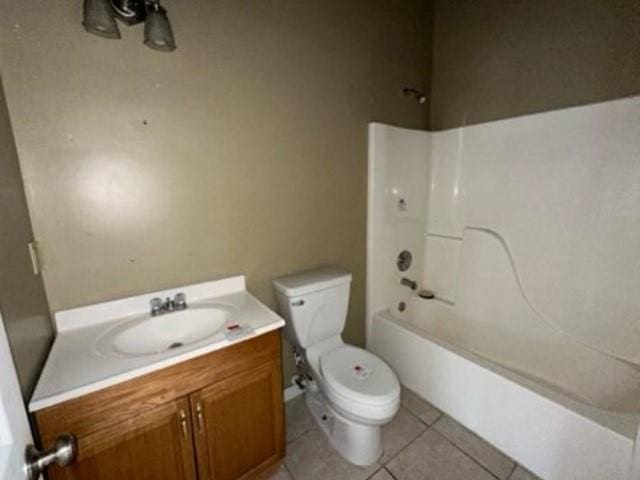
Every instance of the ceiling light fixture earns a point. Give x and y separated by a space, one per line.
157 29
100 19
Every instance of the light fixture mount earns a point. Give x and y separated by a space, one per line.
130 12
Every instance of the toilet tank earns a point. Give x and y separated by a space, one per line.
314 304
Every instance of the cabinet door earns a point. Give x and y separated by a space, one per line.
157 444
238 424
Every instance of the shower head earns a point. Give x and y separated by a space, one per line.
417 94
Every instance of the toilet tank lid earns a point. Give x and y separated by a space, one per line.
310 281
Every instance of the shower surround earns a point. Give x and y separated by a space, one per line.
528 232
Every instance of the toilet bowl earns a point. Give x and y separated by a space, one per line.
352 392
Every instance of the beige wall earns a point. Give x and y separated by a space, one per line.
22 298
244 151
497 59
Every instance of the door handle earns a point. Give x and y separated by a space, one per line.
199 415
63 453
183 424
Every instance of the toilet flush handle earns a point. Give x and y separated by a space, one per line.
297 303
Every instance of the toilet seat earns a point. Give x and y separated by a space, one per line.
360 384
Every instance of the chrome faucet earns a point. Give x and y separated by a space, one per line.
158 307
409 283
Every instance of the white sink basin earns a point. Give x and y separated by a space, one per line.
147 335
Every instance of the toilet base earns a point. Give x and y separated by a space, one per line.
357 443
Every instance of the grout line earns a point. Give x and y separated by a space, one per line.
519 465
467 455
284 464
414 415
295 439
405 447
386 462
477 437
391 474
440 414
375 473
291 440
438 418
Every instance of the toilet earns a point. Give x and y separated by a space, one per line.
351 393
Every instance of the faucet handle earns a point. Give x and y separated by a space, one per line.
156 305
180 301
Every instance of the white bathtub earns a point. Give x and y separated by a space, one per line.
506 392
525 230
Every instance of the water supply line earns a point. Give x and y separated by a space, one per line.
301 378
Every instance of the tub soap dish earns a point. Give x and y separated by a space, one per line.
426 294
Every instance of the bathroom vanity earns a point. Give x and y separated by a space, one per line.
211 408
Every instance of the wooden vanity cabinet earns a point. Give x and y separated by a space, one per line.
234 425
131 449
215 417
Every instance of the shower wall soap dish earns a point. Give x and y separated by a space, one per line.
426 294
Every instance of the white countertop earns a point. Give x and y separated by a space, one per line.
74 366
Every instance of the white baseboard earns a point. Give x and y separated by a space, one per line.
292 392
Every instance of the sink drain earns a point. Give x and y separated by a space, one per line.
175 345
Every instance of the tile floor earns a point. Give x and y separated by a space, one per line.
420 443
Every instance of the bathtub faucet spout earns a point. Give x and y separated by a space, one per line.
409 283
